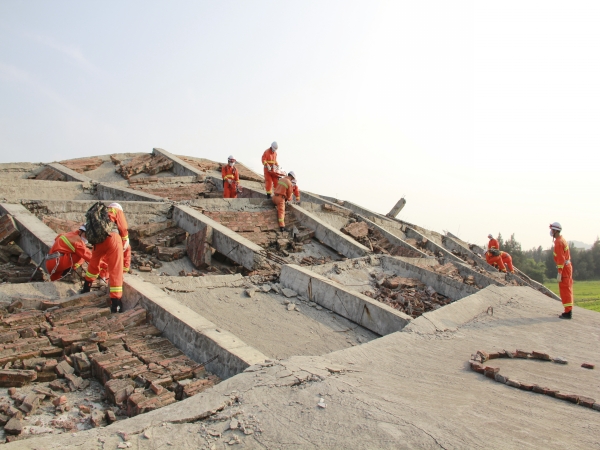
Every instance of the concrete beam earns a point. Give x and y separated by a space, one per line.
397 208
431 245
224 240
191 333
109 191
329 235
70 174
180 167
392 238
448 287
36 239
368 313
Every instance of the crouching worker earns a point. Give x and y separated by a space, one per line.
68 252
283 194
494 259
109 251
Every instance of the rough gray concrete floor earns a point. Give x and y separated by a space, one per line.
406 390
49 291
15 190
265 323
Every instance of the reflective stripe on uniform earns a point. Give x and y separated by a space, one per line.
269 162
567 304
67 243
125 269
281 220
228 176
125 238
116 289
560 267
91 275
283 183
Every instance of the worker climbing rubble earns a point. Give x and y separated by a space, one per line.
269 161
562 259
507 260
283 194
231 179
493 243
68 252
494 258
108 248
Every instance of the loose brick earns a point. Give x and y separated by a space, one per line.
8 229
16 378
13 427
587 366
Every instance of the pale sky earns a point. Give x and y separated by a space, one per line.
484 115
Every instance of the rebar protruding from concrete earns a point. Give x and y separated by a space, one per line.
397 208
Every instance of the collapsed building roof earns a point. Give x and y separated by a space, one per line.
351 329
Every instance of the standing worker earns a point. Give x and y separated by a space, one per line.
493 243
109 251
562 258
269 160
116 215
231 179
283 194
68 252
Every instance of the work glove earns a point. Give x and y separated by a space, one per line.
239 190
125 244
559 277
269 168
275 167
87 287
229 180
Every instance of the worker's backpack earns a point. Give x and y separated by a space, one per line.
494 252
98 225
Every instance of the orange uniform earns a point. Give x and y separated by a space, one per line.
231 178
495 261
507 260
562 258
493 244
111 252
68 251
118 217
269 158
283 193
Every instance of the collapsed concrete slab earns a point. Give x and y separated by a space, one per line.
352 305
69 174
180 167
110 191
196 337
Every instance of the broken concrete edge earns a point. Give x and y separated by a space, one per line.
197 337
69 174
481 279
368 313
180 167
431 245
81 206
392 238
225 241
36 238
110 191
446 286
451 317
355 208
453 244
330 236
535 285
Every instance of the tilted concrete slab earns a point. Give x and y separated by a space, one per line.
221 238
329 235
180 167
448 287
70 174
368 313
36 239
392 238
191 333
109 191
431 245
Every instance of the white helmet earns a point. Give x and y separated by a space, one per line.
490 236
292 174
555 226
82 228
115 205
274 145
230 158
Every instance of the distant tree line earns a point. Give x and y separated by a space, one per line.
538 263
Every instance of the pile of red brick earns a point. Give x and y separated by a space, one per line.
150 164
68 342
204 165
60 226
81 165
408 295
49 174
160 239
188 191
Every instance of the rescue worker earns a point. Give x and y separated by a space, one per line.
116 214
68 252
111 252
295 189
269 160
507 260
494 259
493 243
231 179
283 194
562 258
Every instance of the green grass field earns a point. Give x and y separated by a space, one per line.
587 293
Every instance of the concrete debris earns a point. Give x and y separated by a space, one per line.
587 366
147 163
289 293
375 241
184 191
8 229
50 174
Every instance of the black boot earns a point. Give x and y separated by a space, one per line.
268 195
566 315
114 304
87 287
282 229
121 306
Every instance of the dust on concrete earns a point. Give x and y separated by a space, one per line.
41 290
